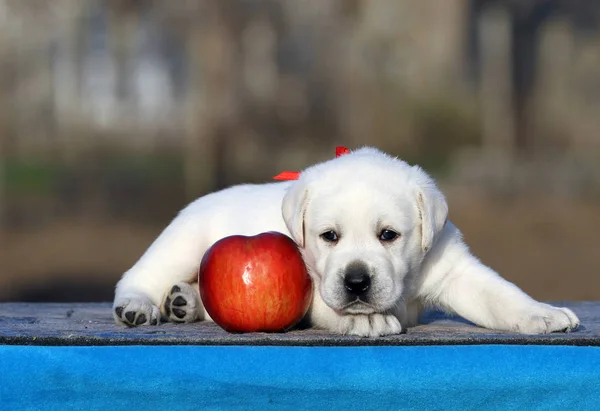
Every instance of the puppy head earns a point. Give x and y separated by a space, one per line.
365 222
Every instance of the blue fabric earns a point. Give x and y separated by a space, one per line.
490 377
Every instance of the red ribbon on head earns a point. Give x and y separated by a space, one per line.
340 151
287 175
294 175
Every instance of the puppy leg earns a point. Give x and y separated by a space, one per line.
458 282
481 296
373 325
173 258
182 304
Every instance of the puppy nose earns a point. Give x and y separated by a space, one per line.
357 280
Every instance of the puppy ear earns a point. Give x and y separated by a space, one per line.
293 210
433 210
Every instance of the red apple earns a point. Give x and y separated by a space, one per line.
256 283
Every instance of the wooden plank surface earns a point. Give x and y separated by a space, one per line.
92 324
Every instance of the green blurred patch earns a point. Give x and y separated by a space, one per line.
42 176
156 168
30 177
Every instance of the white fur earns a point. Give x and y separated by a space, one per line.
357 195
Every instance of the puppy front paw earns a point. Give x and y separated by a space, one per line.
181 304
373 325
134 311
546 319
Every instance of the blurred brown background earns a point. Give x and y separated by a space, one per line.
115 114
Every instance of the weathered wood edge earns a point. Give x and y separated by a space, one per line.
371 342
91 324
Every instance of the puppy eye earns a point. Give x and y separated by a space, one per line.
388 235
330 236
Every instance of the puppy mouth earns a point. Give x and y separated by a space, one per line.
357 306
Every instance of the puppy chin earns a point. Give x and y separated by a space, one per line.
367 308
358 308
355 307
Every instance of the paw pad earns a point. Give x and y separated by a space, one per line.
179 301
179 313
130 316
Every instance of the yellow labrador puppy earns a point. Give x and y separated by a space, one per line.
374 234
